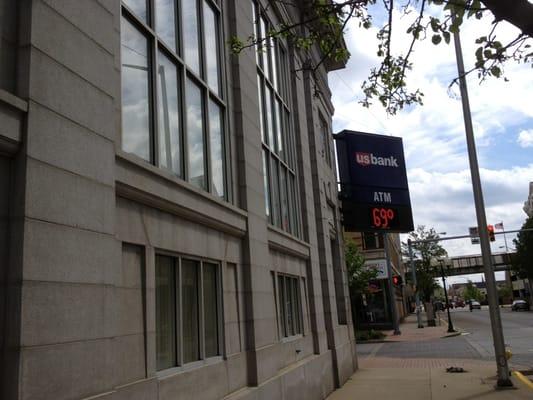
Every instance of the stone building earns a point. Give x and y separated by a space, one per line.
373 310
169 221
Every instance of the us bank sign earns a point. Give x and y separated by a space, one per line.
373 182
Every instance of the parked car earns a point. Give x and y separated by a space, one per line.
459 303
475 304
519 305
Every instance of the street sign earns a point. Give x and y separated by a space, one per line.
380 266
373 179
474 234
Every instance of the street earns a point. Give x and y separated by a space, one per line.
517 328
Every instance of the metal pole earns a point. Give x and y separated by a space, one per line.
496 323
392 290
450 324
413 275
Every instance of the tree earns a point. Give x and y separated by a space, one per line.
471 292
505 293
323 23
358 275
423 254
523 260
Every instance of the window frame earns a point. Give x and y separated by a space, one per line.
283 290
273 84
177 265
156 45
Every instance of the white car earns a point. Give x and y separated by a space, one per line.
475 304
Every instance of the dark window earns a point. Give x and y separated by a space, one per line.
188 316
8 44
372 241
290 315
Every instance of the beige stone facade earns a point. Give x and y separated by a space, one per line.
88 227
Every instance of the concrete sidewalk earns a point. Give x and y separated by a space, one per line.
424 378
427 383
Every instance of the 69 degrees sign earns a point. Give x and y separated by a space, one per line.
373 179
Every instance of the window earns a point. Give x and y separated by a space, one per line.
279 156
8 44
188 316
372 241
290 314
173 105
326 151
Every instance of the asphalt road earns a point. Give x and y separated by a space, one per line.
517 330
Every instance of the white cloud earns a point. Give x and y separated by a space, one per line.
433 135
525 138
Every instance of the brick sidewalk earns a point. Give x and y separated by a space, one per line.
412 333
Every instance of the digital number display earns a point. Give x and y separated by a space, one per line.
383 217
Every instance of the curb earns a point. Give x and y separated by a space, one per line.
449 335
523 379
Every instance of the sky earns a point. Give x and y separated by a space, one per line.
434 135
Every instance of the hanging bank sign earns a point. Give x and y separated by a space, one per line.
373 179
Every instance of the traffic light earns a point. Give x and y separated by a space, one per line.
397 280
490 228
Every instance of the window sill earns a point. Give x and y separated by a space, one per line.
170 372
12 114
284 242
294 338
13 101
144 183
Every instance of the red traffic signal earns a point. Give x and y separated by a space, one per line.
490 229
397 280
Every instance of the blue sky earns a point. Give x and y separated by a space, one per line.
433 134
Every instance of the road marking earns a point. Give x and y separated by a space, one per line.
524 380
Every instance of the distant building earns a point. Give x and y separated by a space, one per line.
373 310
528 205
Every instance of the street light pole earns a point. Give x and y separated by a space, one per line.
450 324
392 290
496 323
413 275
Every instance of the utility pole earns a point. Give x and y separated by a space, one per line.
492 294
413 276
392 290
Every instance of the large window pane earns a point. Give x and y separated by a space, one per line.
165 14
217 150
8 44
269 118
191 43
275 193
190 312
165 317
283 312
195 136
139 8
211 48
210 310
266 182
169 116
135 92
273 59
284 199
261 96
279 130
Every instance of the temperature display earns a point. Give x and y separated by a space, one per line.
383 217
